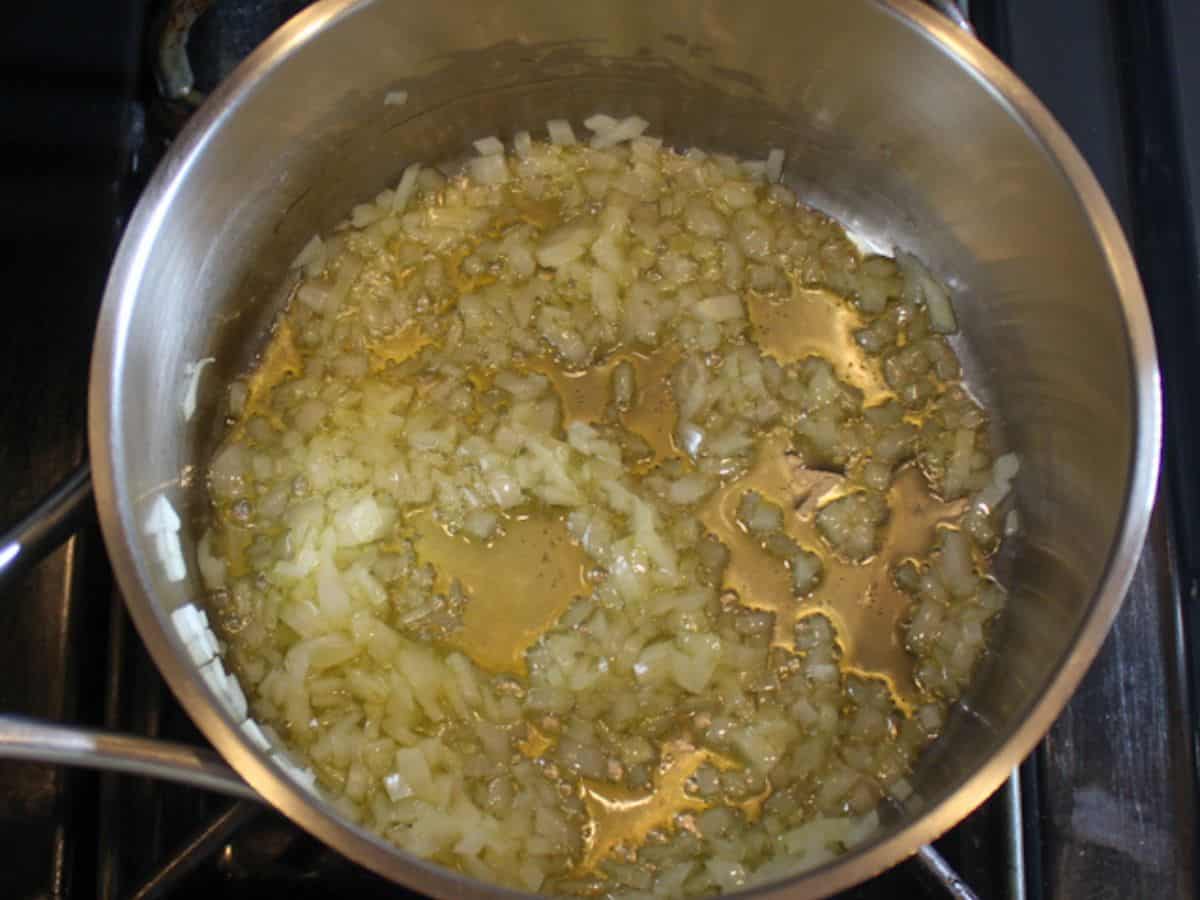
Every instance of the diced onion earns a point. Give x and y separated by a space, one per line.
193 372
720 308
406 188
564 246
935 296
571 355
600 123
312 252
775 165
561 133
610 132
522 144
226 687
489 146
491 169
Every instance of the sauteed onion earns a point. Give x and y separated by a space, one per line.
599 519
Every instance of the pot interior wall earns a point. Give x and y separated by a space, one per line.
880 127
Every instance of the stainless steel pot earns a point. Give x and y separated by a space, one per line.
893 120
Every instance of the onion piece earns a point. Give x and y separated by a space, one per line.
931 291
431 383
226 687
192 372
564 245
161 517
561 133
610 132
489 170
1006 467
959 465
720 308
775 165
600 123
397 788
489 146
312 253
198 638
162 524
406 188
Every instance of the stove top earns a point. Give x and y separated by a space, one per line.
1106 806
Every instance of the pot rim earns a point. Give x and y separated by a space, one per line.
117 516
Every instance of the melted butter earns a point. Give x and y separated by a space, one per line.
280 360
463 283
816 322
653 413
518 584
534 744
619 815
752 807
401 273
236 541
862 600
586 395
399 347
540 213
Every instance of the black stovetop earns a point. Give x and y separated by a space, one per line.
1107 805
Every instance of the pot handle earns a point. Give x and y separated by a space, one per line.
62 511
31 740
35 741
955 11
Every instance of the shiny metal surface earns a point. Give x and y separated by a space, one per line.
29 739
58 514
1018 876
893 120
940 870
956 12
